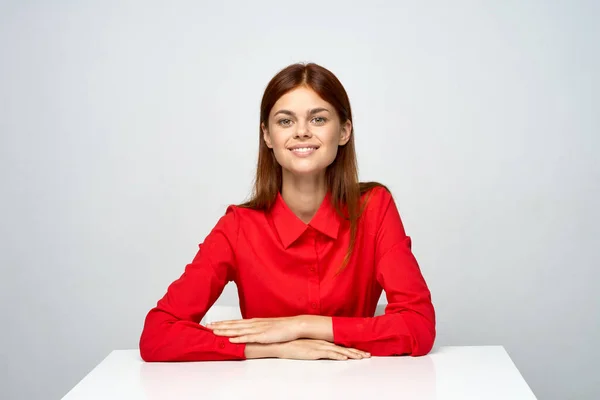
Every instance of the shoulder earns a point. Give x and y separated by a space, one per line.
236 215
230 222
227 225
383 220
239 211
379 208
377 199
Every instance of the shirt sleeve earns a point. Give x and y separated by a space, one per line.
172 330
408 325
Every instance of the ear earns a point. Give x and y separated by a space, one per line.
266 135
345 133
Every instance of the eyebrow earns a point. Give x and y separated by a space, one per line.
310 112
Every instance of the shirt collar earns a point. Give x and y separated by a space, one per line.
290 227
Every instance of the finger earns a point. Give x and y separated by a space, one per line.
251 321
236 332
361 353
334 355
233 322
229 321
351 353
229 327
247 339
330 347
233 325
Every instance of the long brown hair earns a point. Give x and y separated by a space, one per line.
341 176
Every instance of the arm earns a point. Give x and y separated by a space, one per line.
408 326
171 330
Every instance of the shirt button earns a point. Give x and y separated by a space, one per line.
222 345
313 305
312 269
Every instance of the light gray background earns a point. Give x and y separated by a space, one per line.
128 127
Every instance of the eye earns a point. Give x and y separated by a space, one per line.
285 122
319 120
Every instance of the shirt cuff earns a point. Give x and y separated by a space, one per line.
230 350
377 331
349 330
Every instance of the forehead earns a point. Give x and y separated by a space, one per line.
301 98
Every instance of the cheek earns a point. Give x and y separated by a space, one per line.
277 136
330 153
279 149
278 143
331 141
280 155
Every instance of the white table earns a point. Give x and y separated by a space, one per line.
472 372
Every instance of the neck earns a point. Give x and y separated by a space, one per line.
303 195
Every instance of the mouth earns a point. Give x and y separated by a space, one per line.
303 151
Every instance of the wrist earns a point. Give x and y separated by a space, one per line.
260 350
303 327
315 327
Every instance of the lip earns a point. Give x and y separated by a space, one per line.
303 154
302 145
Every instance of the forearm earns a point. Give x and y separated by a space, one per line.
406 333
273 331
260 350
164 338
316 327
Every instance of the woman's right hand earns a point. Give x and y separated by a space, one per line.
304 349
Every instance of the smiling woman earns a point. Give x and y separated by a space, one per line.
306 126
310 252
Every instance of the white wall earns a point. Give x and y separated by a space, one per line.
127 127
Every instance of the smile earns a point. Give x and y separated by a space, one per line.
303 151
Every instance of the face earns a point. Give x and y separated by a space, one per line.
304 132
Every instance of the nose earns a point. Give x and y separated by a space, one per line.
302 130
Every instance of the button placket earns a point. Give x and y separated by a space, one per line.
314 295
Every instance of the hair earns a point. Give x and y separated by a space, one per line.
341 176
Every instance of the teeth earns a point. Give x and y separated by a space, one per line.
303 149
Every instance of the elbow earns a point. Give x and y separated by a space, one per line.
424 341
153 349
152 340
151 356
147 354
424 346
148 350
415 340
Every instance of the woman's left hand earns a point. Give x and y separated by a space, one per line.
259 330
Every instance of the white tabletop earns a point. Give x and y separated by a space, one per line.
472 372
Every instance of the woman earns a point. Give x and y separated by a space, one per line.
310 253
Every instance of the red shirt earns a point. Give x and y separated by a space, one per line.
284 267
